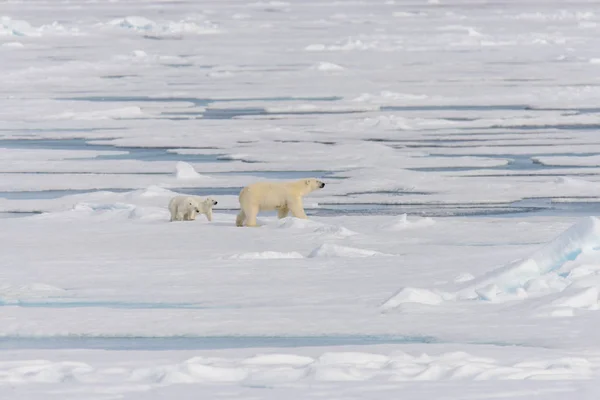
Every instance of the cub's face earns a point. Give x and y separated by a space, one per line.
314 184
210 202
194 206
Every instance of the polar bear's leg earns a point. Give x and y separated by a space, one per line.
283 212
178 216
173 211
209 215
239 220
192 215
297 209
251 214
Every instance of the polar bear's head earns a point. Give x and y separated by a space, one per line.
313 184
209 202
194 206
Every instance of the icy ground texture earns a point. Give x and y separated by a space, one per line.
431 108
120 277
415 103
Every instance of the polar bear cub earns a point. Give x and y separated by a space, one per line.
281 196
186 208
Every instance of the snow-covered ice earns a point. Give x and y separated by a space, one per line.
454 252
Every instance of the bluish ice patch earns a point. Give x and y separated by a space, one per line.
118 76
521 208
54 144
52 194
49 130
537 173
283 174
133 153
577 110
458 107
17 214
446 169
564 209
562 127
423 210
386 192
229 113
56 194
522 158
159 154
209 191
196 100
515 163
203 342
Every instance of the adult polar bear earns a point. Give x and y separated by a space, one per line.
281 196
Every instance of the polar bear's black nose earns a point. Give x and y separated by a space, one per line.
322 185
216 202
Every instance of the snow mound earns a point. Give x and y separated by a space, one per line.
279 359
91 207
412 295
328 67
110 211
560 279
166 28
266 255
335 231
581 238
185 171
151 191
16 27
368 360
570 302
334 250
42 371
403 223
316 227
149 213
296 223
578 298
277 369
100 211
189 372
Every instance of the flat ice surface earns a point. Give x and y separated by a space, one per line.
454 252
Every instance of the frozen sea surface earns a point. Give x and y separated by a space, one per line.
454 246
